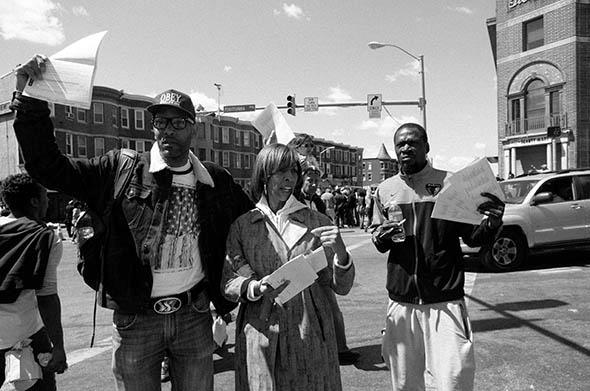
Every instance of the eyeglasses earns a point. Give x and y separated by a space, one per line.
177 123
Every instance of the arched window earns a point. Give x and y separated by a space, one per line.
535 99
534 104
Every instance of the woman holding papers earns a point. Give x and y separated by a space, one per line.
283 345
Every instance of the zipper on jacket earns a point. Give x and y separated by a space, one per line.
415 276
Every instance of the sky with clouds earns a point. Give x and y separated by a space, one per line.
260 52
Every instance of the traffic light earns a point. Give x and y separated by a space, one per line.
291 105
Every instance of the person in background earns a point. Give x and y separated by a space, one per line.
304 145
328 199
163 257
369 204
283 346
428 339
311 179
69 215
361 208
349 207
308 194
76 213
339 208
29 255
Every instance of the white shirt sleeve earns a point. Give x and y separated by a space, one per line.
50 281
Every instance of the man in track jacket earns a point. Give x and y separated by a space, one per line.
428 337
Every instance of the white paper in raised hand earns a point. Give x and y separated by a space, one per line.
69 74
273 126
459 199
298 272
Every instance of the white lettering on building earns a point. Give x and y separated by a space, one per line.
514 3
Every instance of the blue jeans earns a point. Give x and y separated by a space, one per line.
140 342
40 344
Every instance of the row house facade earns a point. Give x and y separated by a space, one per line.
229 142
541 49
120 120
341 163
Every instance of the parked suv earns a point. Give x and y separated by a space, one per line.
543 211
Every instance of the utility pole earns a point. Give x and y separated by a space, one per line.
218 98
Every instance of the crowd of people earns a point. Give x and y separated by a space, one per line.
185 238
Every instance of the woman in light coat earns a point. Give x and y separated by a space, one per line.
289 346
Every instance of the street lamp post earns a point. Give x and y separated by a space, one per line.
320 154
422 103
218 98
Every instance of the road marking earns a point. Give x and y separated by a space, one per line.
77 356
560 270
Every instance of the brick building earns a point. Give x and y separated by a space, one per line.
120 120
229 142
542 53
376 170
342 163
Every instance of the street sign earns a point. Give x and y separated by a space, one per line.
238 108
310 103
374 105
374 114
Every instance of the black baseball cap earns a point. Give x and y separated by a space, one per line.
176 99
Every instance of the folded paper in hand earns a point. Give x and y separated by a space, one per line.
69 74
459 199
21 368
300 271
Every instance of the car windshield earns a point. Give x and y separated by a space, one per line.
516 191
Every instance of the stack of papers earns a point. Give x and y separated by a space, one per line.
300 271
459 199
69 74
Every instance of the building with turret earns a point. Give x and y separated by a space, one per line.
376 170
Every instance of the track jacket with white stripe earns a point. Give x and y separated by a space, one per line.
428 266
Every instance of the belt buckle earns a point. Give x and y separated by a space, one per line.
167 305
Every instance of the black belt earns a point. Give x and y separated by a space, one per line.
170 304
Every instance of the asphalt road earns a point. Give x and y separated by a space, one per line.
530 326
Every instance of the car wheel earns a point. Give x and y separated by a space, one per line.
507 252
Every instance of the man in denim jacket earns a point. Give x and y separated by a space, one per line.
164 253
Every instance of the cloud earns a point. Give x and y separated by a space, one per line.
227 68
79 10
452 163
245 116
480 146
412 70
461 10
198 98
336 95
368 124
337 132
291 11
31 20
385 126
